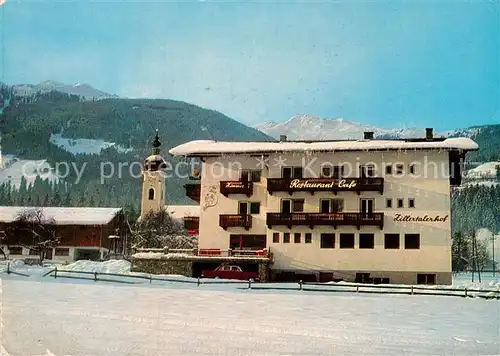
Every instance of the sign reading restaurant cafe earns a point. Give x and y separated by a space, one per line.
322 184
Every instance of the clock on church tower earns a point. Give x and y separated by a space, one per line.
153 184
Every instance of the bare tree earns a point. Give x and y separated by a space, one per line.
35 231
159 230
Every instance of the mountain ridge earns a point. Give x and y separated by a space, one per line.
307 127
83 90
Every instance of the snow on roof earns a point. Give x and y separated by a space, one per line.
180 211
64 215
207 147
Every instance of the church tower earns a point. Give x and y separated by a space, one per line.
153 184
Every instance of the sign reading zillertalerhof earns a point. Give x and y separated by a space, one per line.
322 184
423 218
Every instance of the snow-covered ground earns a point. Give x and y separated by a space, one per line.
84 145
14 169
54 317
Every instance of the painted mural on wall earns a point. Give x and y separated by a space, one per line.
210 199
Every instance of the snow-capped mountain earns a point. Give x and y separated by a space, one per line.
85 91
304 127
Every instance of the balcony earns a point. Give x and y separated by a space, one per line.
236 187
328 219
235 220
333 185
193 191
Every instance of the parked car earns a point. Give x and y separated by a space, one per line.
229 272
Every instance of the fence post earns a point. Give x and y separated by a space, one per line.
198 281
95 276
150 278
8 267
250 283
411 290
300 284
357 289
55 272
465 292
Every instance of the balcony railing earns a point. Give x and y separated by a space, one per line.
329 219
236 187
325 185
193 191
191 222
235 220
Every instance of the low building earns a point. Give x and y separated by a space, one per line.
189 215
368 210
84 233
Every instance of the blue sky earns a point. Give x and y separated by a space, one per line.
382 63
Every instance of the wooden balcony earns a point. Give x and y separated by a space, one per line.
333 185
236 187
191 222
235 220
328 219
193 191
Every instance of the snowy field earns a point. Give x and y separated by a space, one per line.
47 316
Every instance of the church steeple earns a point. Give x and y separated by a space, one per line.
153 184
156 144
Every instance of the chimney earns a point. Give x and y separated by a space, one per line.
282 138
368 135
428 133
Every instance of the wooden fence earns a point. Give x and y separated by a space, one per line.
300 286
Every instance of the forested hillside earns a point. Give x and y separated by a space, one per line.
27 124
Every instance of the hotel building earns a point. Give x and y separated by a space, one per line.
364 211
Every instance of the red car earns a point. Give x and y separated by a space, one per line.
229 272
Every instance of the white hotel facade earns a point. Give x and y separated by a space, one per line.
366 211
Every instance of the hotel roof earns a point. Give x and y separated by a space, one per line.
211 148
64 215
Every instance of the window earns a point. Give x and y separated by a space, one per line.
424 278
400 203
327 240
412 168
276 237
297 205
151 194
388 203
291 172
286 206
346 241
338 172
286 238
331 206
255 208
367 171
62 252
255 175
247 241
366 240
308 238
388 169
296 237
337 205
399 169
411 203
251 175
15 250
297 172
412 241
286 172
33 252
391 241
326 172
